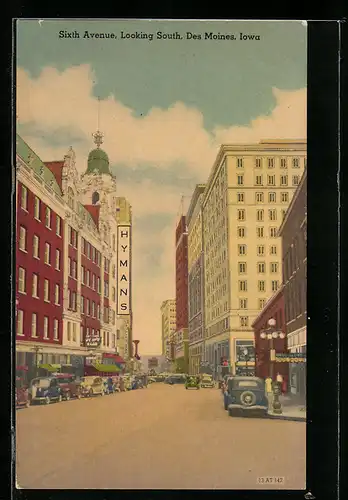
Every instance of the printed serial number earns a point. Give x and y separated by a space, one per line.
271 480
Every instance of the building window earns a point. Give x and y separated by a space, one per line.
93 309
244 321
47 253
261 267
262 303
36 242
274 267
48 218
283 212
21 280
56 295
241 232
20 316
260 232
22 239
240 163
258 163
46 291
273 250
272 214
259 197
55 329
241 214
275 285
57 259
283 163
261 285
259 215
258 180
37 208
93 281
99 285
295 180
74 332
284 197
296 163
273 232
69 331
272 198
261 250
271 180
243 287
95 198
34 325
242 267
240 180
35 287
240 197
270 162
24 198
283 180
82 304
58 226
243 303
45 336
241 249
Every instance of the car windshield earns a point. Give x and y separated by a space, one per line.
206 378
247 383
64 380
43 382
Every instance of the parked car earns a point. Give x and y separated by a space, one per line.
45 390
127 380
69 386
207 381
192 383
175 379
245 396
90 386
109 385
22 394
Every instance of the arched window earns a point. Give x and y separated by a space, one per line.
71 198
95 198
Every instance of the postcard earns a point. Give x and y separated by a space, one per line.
161 254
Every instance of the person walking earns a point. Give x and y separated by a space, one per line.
269 392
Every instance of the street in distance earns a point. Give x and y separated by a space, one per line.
159 35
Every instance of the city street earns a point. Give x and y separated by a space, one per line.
162 437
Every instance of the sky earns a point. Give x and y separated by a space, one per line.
166 106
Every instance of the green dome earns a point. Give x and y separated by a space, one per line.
98 160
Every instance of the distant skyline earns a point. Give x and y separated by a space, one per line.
166 106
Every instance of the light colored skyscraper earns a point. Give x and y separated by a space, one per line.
247 194
168 313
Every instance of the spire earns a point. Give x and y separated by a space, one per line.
98 136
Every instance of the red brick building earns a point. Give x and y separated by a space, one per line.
274 309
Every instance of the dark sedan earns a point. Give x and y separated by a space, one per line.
245 396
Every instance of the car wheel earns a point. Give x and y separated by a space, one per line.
67 396
47 400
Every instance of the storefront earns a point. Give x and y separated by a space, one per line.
214 353
245 358
297 344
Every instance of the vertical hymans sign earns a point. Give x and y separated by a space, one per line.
124 270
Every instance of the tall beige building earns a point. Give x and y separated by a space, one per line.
125 322
168 313
247 195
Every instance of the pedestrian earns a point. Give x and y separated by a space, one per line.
284 386
269 392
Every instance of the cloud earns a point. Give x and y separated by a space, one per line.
165 140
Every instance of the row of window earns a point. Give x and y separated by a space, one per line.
37 211
260 230
90 252
261 285
260 197
260 267
271 162
22 287
271 180
243 303
23 246
49 327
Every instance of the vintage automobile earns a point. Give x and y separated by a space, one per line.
45 390
69 386
22 394
127 382
245 396
192 383
90 386
207 381
109 385
178 378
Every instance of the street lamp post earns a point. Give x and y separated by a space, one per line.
270 334
36 349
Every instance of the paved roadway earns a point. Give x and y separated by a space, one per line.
162 437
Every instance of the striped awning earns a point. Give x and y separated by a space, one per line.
106 368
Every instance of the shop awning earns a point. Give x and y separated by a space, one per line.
50 367
106 368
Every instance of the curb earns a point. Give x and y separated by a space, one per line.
287 417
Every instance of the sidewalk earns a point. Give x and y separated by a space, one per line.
293 409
